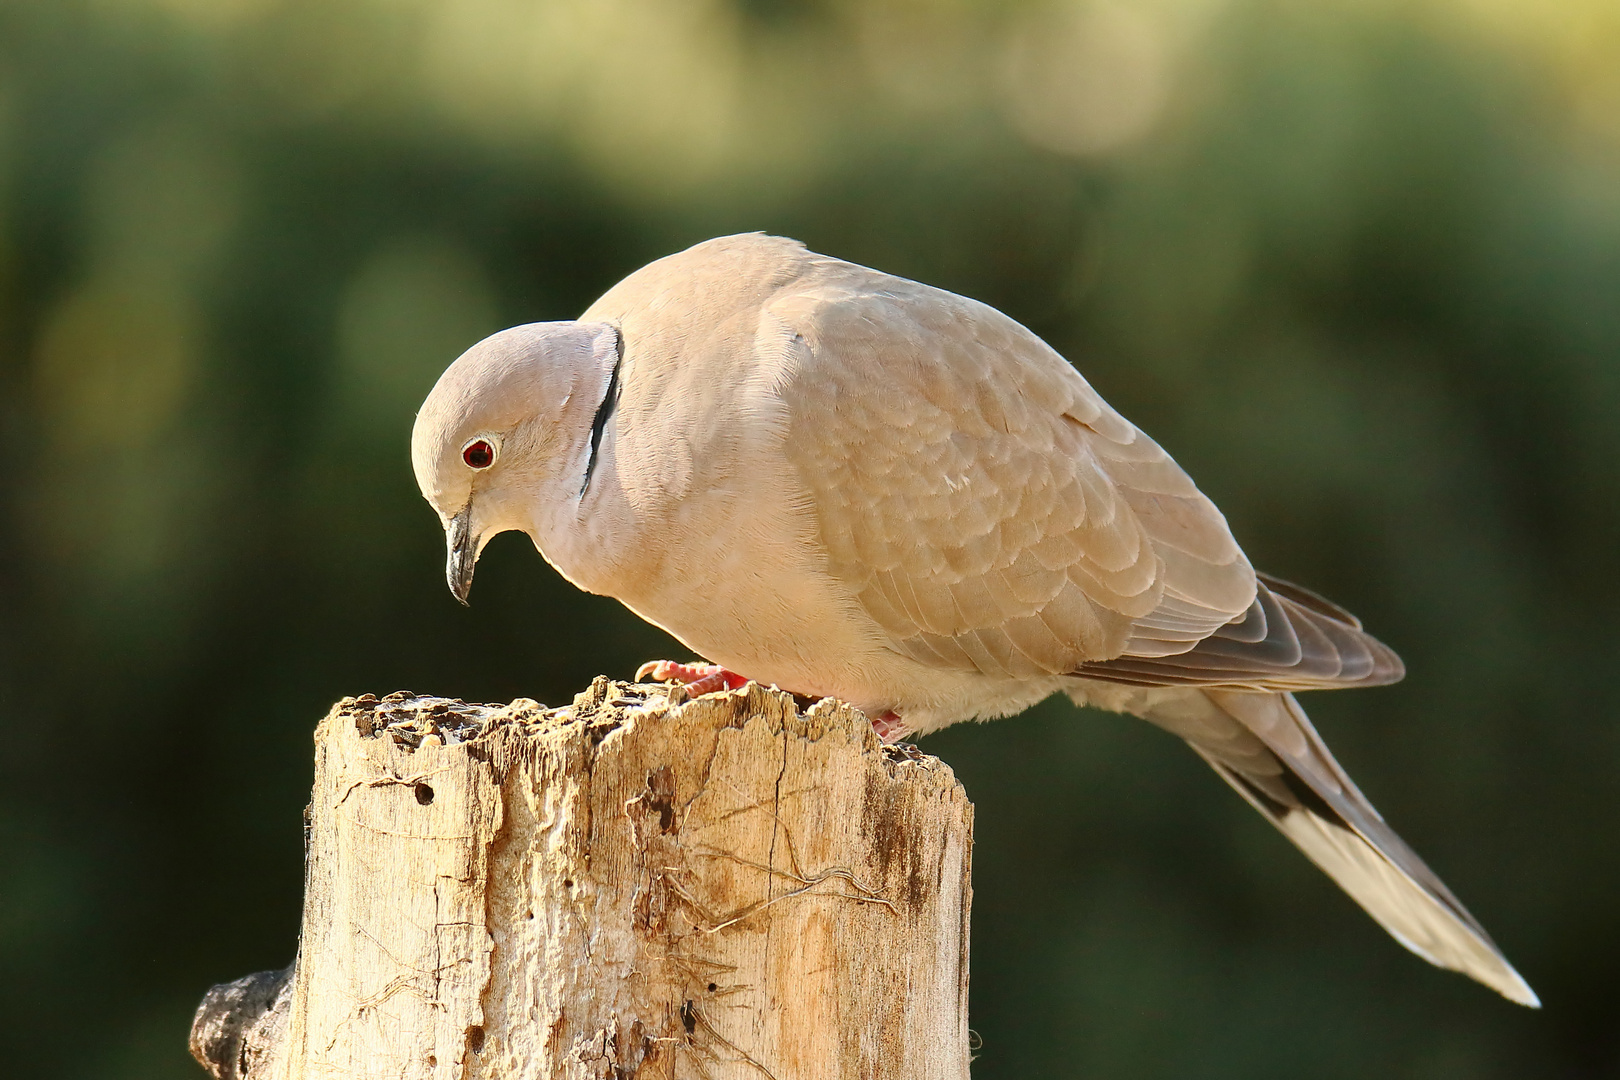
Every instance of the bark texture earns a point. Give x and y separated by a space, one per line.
633 886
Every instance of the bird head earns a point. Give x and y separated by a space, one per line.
507 431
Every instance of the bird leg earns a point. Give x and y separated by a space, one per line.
698 679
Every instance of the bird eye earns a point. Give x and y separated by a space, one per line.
478 454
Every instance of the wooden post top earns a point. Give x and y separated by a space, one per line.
632 885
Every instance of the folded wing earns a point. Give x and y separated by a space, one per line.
991 512
1289 639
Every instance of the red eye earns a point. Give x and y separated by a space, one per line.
478 454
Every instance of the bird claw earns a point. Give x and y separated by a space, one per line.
698 679
889 727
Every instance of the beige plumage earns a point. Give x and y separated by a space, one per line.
853 485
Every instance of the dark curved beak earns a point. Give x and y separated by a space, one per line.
462 554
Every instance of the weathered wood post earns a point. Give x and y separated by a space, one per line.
633 886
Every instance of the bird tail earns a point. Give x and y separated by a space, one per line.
1264 746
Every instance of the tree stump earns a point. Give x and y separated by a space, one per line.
633 886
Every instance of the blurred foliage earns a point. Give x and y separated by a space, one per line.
1356 263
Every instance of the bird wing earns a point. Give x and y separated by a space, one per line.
991 512
986 506
1289 639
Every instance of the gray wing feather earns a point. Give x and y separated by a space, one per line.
1289 639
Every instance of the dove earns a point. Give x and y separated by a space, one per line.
852 485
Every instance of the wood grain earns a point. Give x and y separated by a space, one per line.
633 886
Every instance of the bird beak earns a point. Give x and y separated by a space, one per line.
462 555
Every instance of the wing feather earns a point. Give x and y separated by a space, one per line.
1279 644
970 486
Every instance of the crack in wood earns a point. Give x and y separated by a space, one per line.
631 887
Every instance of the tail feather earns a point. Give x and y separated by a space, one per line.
1264 746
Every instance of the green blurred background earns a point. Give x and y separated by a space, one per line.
1355 262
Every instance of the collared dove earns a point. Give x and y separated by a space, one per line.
856 486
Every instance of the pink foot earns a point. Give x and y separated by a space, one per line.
889 727
697 678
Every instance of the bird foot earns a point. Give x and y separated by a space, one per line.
889 727
698 679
